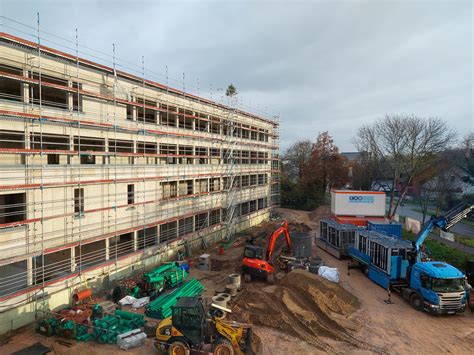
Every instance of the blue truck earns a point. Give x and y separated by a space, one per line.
402 266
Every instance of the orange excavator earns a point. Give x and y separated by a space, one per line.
255 264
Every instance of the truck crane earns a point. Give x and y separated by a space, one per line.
444 223
433 286
255 264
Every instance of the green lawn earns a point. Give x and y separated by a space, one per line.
432 212
442 252
465 241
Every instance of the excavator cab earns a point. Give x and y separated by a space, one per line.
253 251
259 264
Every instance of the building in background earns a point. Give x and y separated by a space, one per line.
103 172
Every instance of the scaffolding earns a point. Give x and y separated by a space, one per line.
100 167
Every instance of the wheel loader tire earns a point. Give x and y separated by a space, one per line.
416 302
178 348
247 278
223 347
271 278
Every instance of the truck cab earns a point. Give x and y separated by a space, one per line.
436 287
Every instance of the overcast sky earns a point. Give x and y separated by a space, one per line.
322 65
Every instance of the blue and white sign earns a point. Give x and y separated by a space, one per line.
361 199
357 203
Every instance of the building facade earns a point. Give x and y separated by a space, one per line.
103 173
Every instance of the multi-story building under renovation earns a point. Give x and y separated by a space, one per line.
103 173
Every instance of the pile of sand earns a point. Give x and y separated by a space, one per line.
303 305
329 296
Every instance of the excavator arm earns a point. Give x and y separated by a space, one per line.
272 241
444 223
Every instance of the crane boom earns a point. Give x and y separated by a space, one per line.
444 223
274 237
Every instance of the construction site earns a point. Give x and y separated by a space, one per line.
139 218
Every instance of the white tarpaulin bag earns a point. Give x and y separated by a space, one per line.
329 273
127 300
141 302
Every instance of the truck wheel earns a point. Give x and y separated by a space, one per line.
271 278
178 348
416 302
223 347
247 278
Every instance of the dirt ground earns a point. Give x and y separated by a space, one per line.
305 314
395 328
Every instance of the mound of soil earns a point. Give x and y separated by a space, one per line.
329 296
318 213
303 305
299 227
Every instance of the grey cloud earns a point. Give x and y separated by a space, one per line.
323 65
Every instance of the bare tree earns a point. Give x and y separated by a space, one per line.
296 158
464 157
406 145
363 172
434 191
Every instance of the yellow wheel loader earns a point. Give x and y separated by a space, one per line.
190 330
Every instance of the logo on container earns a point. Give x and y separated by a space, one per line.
361 199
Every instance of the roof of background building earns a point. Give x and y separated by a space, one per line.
352 156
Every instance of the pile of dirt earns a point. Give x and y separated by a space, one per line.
303 305
299 227
320 212
329 296
263 229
